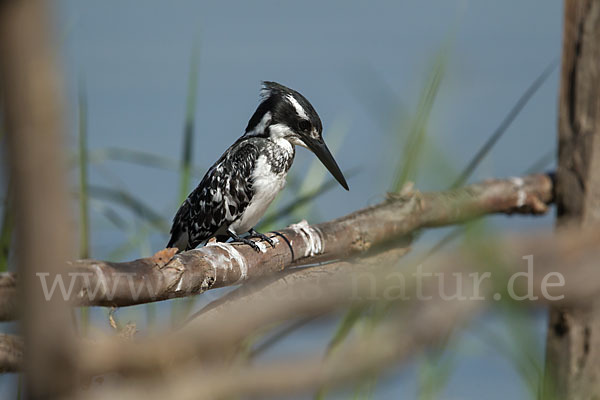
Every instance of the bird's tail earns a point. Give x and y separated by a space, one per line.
179 240
171 242
179 232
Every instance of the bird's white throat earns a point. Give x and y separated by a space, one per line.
279 134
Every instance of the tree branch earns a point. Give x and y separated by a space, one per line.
222 264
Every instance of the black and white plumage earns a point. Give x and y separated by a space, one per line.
236 191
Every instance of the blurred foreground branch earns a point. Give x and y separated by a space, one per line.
92 282
31 101
188 360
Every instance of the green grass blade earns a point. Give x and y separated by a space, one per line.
518 349
20 387
538 165
317 173
349 320
84 217
406 167
139 158
181 308
150 311
6 230
189 125
504 125
135 205
110 214
133 243
345 327
375 94
405 170
434 373
84 214
279 335
439 169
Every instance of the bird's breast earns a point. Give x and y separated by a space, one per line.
267 182
267 178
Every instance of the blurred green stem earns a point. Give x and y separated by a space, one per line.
6 230
504 125
84 240
84 250
188 130
416 137
181 308
317 174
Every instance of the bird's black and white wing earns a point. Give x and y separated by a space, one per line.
219 200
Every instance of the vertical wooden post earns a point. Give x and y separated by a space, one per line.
32 111
573 342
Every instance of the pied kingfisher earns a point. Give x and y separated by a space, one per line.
236 191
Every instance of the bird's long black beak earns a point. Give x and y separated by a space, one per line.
322 152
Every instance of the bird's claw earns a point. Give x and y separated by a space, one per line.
250 243
262 236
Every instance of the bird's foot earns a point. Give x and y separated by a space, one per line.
247 241
261 236
251 243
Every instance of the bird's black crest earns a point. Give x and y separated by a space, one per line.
273 99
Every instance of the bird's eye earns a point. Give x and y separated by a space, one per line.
304 125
